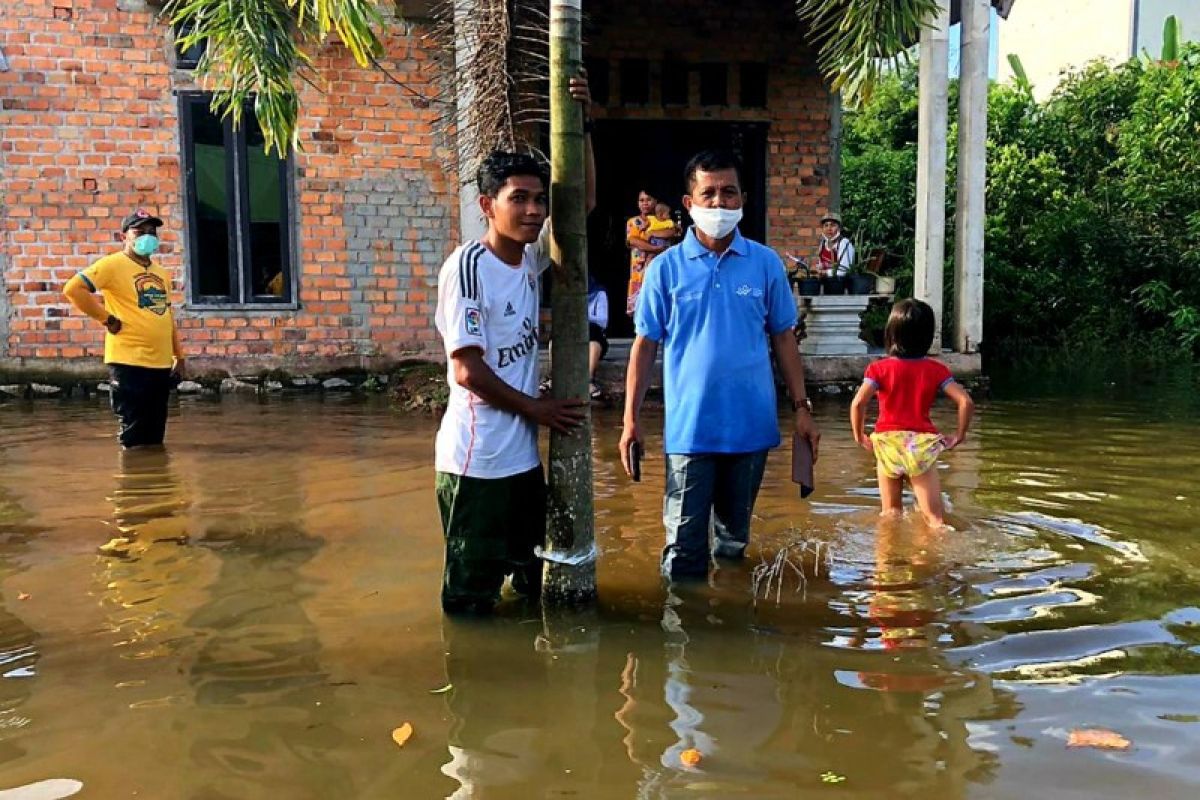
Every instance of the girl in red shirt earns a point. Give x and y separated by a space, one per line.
905 442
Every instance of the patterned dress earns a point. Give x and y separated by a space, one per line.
636 228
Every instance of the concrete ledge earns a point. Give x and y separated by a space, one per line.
839 369
92 368
414 382
843 371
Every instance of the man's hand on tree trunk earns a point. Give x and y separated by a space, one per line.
563 416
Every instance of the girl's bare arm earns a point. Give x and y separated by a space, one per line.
858 413
966 410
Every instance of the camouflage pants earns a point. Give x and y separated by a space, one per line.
491 527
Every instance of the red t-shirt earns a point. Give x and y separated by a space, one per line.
907 388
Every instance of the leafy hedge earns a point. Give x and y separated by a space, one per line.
1093 198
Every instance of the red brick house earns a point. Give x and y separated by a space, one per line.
329 257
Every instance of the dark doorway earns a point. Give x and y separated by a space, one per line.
632 155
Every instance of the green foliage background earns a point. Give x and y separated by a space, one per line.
1093 196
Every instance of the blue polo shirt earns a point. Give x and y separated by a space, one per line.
712 314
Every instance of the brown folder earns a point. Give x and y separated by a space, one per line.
802 464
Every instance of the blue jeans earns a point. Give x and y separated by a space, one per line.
708 492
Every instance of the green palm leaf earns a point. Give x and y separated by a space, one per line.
858 40
1170 45
256 52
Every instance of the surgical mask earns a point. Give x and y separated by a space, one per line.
146 244
716 223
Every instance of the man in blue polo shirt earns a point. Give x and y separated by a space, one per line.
716 302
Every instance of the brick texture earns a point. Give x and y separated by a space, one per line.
89 130
717 31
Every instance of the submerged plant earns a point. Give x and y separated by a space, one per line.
795 558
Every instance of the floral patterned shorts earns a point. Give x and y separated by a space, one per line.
902 453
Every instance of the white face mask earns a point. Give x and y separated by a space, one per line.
715 222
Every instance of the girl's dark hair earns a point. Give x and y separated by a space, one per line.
909 330
499 166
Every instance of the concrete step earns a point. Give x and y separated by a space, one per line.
819 370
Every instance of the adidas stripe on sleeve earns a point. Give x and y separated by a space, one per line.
459 316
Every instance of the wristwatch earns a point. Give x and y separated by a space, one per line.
804 403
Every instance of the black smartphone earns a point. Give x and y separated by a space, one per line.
635 461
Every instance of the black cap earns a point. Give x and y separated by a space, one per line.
140 217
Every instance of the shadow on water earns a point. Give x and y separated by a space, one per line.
269 615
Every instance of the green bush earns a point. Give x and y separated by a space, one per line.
1093 226
879 198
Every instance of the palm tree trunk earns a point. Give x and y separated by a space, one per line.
466 47
570 553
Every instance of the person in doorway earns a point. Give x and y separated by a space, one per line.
906 443
597 301
141 341
717 303
663 230
489 485
835 254
641 250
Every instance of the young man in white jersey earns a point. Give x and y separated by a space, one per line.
490 487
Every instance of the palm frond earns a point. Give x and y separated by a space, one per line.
257 52
858 40
498 57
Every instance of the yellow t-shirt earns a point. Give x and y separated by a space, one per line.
658 226
141 298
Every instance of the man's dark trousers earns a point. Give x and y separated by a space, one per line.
139 397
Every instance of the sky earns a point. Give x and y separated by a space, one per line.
993 47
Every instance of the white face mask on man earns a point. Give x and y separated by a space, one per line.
716 223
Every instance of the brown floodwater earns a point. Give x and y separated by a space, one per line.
273 616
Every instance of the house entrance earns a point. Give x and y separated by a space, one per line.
632 155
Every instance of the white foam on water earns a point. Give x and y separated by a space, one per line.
51 789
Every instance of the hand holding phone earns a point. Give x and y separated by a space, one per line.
630 448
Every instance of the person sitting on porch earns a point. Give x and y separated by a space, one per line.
597 300
836 253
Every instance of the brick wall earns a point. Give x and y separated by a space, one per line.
89 130
718 31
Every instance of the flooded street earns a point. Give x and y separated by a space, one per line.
275 616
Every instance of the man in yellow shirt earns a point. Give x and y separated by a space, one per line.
141 346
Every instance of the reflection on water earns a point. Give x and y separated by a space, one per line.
18 642
253 611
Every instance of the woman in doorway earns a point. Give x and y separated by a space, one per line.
836 253
641 251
